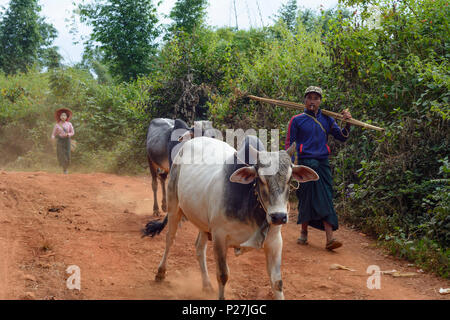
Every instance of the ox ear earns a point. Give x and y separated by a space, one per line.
244 175
304 174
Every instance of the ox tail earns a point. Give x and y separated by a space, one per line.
153 228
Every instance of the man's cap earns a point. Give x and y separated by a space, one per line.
313 89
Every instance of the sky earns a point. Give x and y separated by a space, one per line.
220 13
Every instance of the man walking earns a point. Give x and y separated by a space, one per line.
310 131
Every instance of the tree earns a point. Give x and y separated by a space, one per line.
24 36
308 18
93 62
288 13
50 58
320 21
187 14
125 32
48 55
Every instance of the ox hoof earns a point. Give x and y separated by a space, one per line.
156 213
159 277
164 207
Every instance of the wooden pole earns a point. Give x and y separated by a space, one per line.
298 106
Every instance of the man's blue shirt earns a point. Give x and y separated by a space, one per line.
310 137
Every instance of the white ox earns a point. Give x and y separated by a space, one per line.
230 201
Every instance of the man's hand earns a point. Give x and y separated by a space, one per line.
347 115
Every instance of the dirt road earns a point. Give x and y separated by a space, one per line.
49 222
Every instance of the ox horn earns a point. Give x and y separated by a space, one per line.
252 155
291 150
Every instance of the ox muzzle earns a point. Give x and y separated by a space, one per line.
278 218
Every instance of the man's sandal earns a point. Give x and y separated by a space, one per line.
333 244
303 239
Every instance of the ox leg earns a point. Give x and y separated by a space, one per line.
162 178
172 222
220 254
273 248
201 244
154 174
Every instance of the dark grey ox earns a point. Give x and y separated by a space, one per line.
163 137
230 201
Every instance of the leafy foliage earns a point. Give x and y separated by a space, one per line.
25 38
125 32
288 14
390 64
187 14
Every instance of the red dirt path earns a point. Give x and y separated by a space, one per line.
98 229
